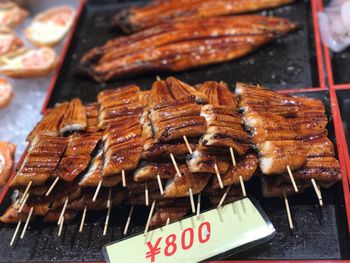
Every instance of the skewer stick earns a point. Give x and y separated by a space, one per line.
187 144
158 78
175 165
27 222
23 203
61 227
128 221
16 232
160 185
63 210
234 163
242 186
192 200
218 176
97 191
292 179
233 157
82 220
198 204
107 220
149 217
222 200
52 186
167 221
109 197
146 195
290 221
25 192
318 192
123 178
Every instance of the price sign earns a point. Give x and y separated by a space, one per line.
196 238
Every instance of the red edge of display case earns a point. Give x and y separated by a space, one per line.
315 6
62 56
339 128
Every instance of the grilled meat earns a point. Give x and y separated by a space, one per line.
82 144
74 118
276 155
157 12
149 171
93 175
201 161
41 160
50 123
183 45
245 167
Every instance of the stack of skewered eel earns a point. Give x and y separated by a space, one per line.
166 145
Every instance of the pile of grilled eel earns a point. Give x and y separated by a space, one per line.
157 12
288 132
181 45
168 144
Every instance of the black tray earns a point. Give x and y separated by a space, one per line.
287 63
319 233
341 66
343 97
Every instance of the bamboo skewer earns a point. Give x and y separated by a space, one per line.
146 195
82 220
123 178
241 181
25 192
167 221
318 191
128 221
16 232
289 215
192 200
178 171
109 197
97 191
222 200
187 144
27 222
52 186
175 165
292 179
23 203
149 217
198 204
107 220
63 210
160 185
218 176
61 227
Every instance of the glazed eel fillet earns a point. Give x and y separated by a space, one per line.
121 108
157 12
180 46
77 155
50 123
41 160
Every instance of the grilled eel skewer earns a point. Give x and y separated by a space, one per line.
182 45
157 12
